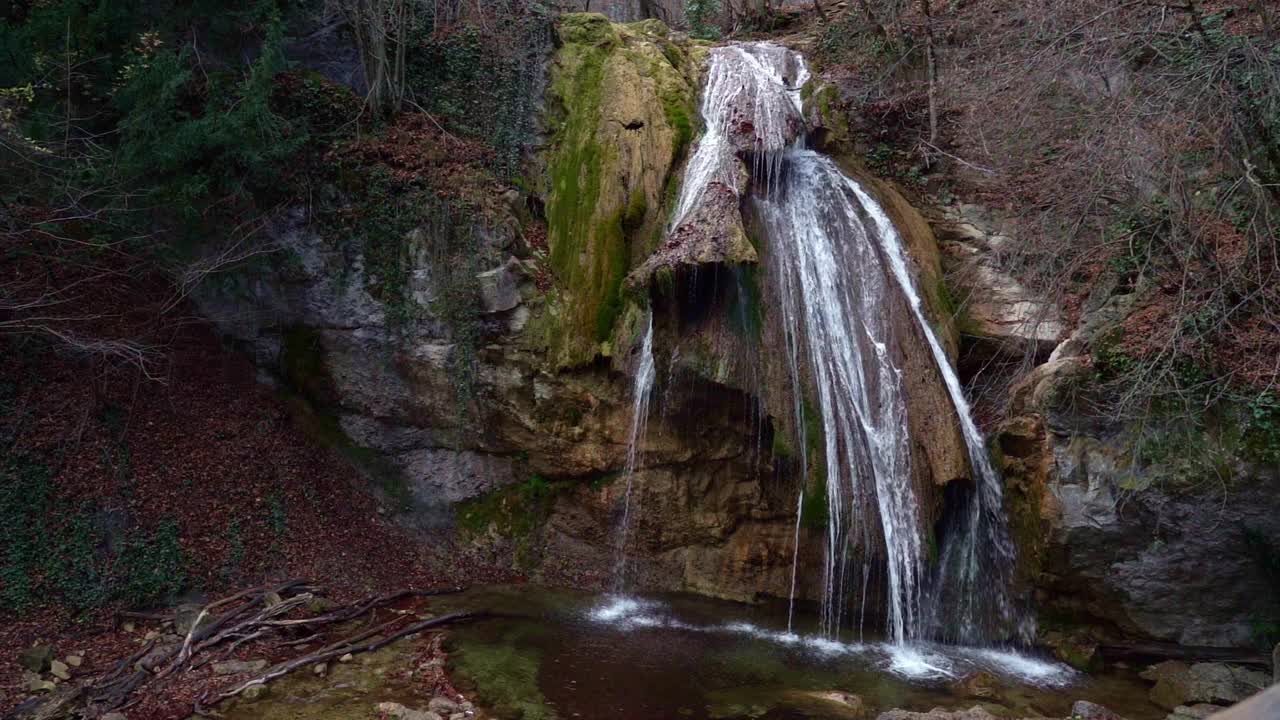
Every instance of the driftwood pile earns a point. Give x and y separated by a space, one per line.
222 626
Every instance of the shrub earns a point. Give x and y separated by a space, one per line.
702 16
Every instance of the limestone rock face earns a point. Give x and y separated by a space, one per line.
713 233
622 101
1150 546
997 308
526 403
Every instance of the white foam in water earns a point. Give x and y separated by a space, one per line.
620 607
1028 669
914 663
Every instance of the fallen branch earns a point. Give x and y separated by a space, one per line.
339 649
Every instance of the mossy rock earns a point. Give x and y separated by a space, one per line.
591 29
621 101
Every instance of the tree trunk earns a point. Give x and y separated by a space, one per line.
931 61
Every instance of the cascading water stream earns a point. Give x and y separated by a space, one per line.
756 86
982 551
839 264
641 390
834 293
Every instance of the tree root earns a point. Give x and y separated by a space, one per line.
246 616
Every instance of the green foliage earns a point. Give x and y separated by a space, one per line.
152 567
200 140
277 514
1265 553
745 315
576 171
24 504
504 671
848 36
235 550
702 16
816 512
1110 361
92 36
1262 428
53 549
483 83
516 512
302 360
51 544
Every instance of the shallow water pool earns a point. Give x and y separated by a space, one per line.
560 654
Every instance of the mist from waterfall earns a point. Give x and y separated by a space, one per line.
839 265
641 391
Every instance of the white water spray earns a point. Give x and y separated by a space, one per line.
640 393
835 293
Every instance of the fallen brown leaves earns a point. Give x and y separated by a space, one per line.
208 446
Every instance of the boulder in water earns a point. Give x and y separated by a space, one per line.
1178 684
1199 711
400 712
980 684
830 703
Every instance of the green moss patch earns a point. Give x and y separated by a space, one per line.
503 672
514 513
602 209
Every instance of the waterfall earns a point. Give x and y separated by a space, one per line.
640 393
753 87
839 265
977 561
834 296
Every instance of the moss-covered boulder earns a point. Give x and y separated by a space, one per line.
621 108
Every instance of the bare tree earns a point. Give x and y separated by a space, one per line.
380 28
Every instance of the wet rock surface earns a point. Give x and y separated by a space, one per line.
1178 684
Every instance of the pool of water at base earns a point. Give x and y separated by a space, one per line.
546 653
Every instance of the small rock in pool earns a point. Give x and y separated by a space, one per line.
973 713
1199 711
1085 710
980 684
